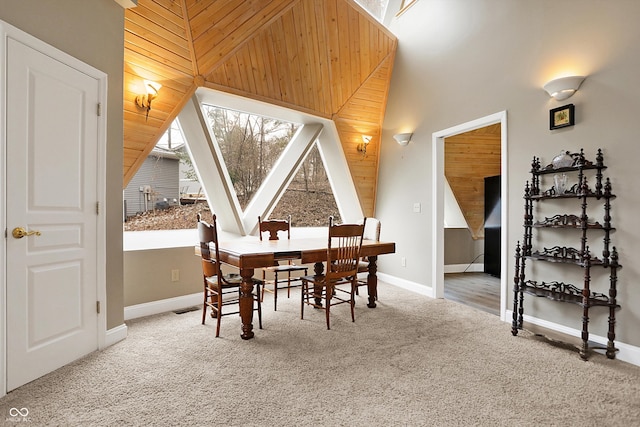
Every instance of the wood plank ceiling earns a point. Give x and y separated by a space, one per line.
328 58
468 158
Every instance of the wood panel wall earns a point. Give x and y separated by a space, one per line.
328 58
469 158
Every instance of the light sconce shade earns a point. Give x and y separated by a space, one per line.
403 138
564 87
143 101
362 147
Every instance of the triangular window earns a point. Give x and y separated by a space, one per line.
250 146
260 166
308 198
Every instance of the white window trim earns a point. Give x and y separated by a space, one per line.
212 172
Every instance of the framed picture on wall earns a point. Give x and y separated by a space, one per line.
562 117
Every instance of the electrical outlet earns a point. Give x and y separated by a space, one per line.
403 261
175 275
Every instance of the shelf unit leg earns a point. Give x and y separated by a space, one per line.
586 294
611 335
521 296
584 350
613 294
514 323
516 288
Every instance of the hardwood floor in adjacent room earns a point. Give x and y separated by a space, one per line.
478 290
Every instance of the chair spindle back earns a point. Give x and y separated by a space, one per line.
344 246
273 226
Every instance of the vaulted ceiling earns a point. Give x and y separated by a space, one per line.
468 158
328 58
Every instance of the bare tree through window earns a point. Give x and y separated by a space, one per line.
250 146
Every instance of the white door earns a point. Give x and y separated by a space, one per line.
52 163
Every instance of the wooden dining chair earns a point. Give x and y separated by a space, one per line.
220 289
371 232
282 265
343 255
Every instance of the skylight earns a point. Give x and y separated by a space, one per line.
376 8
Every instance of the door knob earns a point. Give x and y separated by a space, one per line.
20 232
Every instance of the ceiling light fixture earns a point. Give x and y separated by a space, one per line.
563 87
143 101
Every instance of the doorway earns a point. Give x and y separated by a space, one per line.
53 160
438 147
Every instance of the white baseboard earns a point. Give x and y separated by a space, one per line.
115 335
627 353
406 284
464 268
162 306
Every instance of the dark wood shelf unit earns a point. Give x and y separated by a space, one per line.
558 291
579 256
549 169
577 260
590 194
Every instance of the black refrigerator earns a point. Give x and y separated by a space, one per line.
492 225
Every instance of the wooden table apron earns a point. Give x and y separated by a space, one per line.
249 253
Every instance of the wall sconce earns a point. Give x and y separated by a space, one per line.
144 101
362 147
403 138
564 87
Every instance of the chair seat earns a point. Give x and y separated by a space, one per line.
230 280
313 279
321 280
285 268
363 267
236 279
288 282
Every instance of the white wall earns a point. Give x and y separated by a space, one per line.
461 60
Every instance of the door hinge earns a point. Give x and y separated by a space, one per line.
99 109
97 208
98 307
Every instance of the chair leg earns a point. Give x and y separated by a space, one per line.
259 304
275 291
204 305
327 309
219 313
352 302
303 292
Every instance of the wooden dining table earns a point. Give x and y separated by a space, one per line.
249 252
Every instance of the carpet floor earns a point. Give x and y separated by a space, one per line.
412 361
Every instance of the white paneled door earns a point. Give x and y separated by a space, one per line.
51 213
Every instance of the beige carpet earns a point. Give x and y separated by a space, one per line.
412 361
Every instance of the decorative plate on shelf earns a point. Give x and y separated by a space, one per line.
562 160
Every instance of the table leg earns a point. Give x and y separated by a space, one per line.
246 303
318 269
372 281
